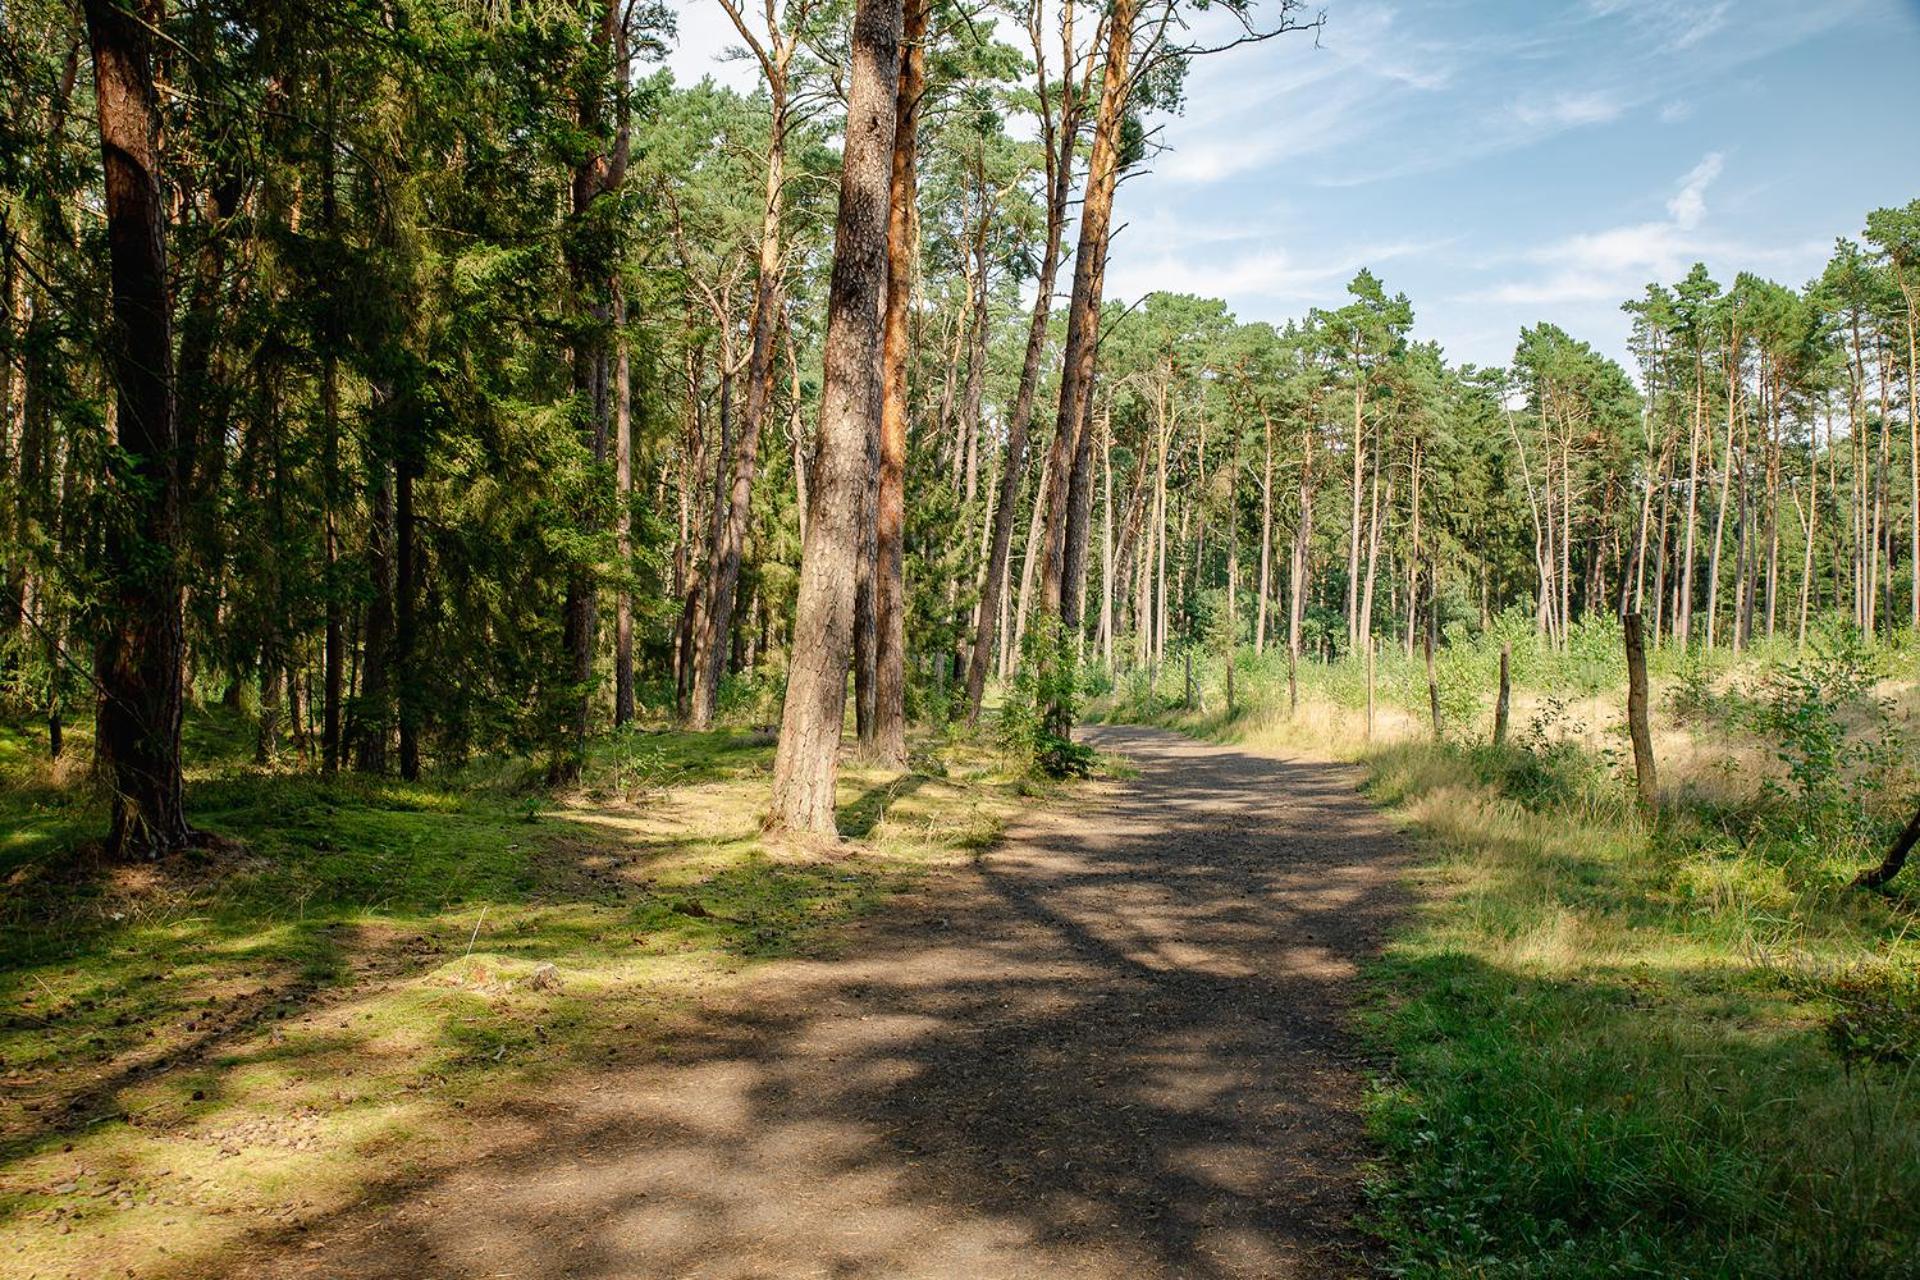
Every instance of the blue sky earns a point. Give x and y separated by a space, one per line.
1509 161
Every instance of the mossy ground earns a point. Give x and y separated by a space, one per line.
342 987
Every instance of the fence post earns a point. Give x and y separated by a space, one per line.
1433 626
1643 772
1506 696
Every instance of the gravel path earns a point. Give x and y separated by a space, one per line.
1115 1047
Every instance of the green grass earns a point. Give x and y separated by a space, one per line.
340 988
1617 1048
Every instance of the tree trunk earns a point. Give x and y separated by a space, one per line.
730 527
623 701
889 744
1896 857
406 627
1505 698
372 712
1266 538
1083 319
138 663
806 762
598 174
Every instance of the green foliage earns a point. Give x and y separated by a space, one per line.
1828 728
1043 696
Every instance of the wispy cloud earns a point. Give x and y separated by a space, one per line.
1265 275
1567 110
1613 263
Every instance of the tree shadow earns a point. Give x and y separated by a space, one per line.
1115 1047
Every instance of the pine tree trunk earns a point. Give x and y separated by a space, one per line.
806 761
1266 538
138 662
623 697
1083 318
889 744
406 626
733 511
1353 534
598 173
372 712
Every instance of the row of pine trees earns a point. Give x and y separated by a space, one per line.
438 377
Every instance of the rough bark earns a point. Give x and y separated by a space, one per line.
1083 318
889 742
138 662
806 761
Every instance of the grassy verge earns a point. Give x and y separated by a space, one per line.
361 975
1621 1048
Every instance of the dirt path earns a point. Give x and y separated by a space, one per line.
1113 1048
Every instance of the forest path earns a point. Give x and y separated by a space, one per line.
1114 1046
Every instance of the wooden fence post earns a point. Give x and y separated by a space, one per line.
1506 696
1370 648
1433 626
1645 781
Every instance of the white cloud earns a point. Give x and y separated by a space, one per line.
1689 204
1676 111
1613 264
1267 275
1567 110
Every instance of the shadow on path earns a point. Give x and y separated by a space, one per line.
1112 1048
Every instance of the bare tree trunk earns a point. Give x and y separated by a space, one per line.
1433 628
333 693
1353 535
1083 315
806 762
730 523
1266 537
1058 189
623 707
406 621
1414 556
889 743
1683 613
139 658
372 710
1297 568
1030 563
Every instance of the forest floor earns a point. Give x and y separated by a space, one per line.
1114 1044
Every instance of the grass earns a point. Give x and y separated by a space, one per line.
1621 1048
361 974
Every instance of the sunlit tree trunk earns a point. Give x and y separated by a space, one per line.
734 505
1266 535
623 698
1083 312
889 740
806 761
